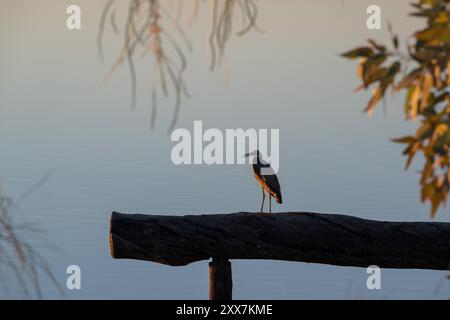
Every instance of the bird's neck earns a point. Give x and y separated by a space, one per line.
258 165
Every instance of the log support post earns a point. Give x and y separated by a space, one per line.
220 279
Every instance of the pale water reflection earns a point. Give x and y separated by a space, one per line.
57 114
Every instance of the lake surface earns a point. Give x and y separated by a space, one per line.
57 113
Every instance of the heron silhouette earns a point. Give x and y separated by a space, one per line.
269 182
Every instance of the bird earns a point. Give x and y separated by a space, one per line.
269 182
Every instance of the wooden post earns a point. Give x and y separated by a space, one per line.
220 279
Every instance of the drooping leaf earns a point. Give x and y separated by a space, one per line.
376 45
358 52
406 139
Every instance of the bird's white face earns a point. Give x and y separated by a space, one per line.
253 153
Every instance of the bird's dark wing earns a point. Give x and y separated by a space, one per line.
272 182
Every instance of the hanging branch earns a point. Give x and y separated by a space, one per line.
221 25
152 37
158 35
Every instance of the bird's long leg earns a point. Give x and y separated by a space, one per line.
263 197
270 203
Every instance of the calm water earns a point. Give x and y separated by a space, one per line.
57 114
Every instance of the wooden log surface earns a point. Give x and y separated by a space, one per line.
293 236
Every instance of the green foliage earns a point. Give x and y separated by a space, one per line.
423 73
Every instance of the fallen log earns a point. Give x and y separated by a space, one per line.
293 236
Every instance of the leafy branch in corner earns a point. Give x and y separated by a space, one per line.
423 74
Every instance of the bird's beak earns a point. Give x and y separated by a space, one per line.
246 155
